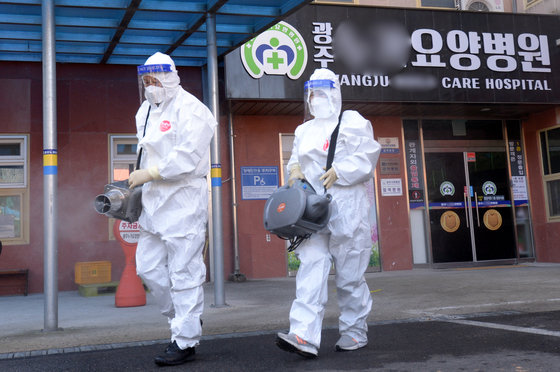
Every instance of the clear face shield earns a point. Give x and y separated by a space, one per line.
320 100
150 85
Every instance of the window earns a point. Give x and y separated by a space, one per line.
478 6
550 154
449 4
14 191
530 3
123 156
286 145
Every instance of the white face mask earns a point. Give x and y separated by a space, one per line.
154 95
320 107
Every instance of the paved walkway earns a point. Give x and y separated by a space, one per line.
263 305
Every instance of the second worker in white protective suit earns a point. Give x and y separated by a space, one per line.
346 240
174 131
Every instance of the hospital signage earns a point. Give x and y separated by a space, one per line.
383 54
280 50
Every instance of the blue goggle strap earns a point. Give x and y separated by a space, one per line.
146 69
313 84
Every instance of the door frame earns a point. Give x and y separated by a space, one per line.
463 146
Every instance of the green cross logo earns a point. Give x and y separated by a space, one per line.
447 189
280 50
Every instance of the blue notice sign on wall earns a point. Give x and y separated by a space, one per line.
258 183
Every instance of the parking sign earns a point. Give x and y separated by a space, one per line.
258 183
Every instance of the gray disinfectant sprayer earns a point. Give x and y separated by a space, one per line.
294 213
118 201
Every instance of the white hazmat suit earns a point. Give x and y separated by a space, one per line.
347 239
175 150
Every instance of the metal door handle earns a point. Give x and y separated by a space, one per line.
476 203
466 213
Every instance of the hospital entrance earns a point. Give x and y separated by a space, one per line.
469 196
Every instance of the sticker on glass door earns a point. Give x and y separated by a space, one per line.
489 188
446 188
450 221
492 219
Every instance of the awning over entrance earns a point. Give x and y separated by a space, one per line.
129 31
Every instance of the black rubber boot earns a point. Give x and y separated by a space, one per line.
173 355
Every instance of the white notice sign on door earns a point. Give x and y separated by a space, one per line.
391 187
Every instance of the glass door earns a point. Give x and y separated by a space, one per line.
491 206
470 206
447 206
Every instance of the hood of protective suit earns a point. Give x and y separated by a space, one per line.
161 67
322 95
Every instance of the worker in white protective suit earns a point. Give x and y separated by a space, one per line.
174 131
346 240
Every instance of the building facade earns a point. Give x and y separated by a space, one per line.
466 106
96 140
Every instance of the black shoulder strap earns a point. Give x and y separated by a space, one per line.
332 147
145 125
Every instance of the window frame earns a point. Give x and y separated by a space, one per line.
21 159
530 3
18 189
420 5
112 141
547 177
114 157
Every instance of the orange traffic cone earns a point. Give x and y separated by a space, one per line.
130 291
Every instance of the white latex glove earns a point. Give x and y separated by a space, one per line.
295 174
328 178
141 176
